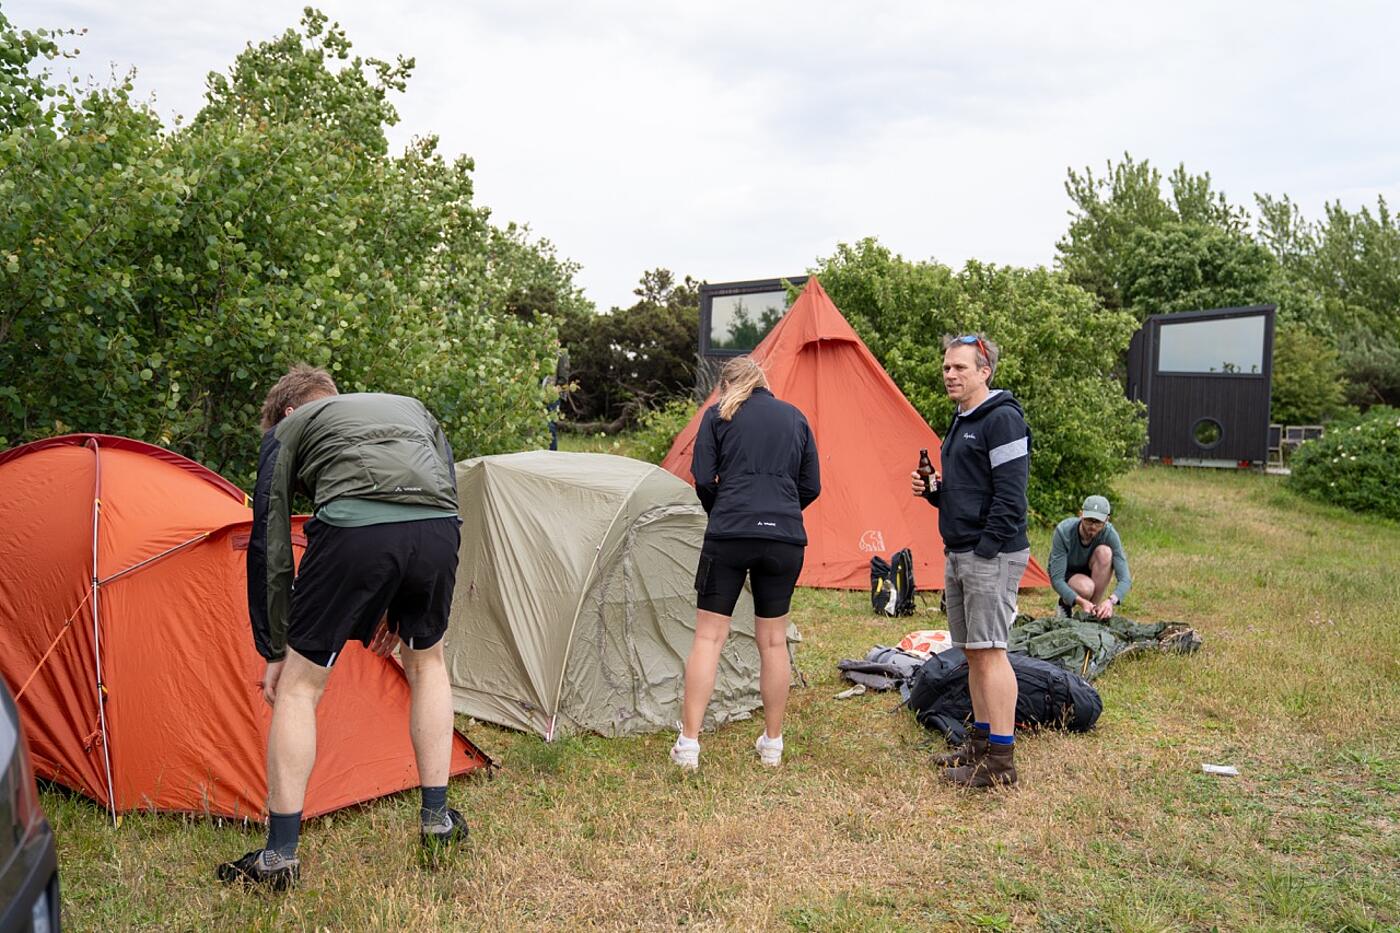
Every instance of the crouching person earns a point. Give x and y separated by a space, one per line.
379 566
755 469
1085 553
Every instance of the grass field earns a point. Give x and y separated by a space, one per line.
1298 686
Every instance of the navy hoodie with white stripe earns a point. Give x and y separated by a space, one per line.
981 497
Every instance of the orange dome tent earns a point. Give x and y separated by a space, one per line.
868 437
124 632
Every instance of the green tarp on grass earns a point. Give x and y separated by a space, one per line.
1087 646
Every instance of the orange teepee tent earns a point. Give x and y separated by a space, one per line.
124 632
868 437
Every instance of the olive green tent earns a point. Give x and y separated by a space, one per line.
575 601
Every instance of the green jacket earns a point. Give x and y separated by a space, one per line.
386 448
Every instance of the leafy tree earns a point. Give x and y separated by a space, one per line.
1307 383
1186 266
1344 274
1371 364
1113 209
1058 347
635 358
157 281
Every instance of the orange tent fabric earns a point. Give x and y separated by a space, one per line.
124 630
868 438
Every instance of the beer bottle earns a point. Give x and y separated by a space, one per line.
926 471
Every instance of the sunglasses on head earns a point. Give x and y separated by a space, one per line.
974 340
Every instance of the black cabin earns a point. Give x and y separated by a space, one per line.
1205 379
735 317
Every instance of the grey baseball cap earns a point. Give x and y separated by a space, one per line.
1096 507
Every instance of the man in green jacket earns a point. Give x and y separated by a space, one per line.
1085 552
379 567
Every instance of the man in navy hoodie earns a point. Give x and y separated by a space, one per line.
981 502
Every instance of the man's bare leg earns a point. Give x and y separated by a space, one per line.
430 712
992 683
291 741
1082 584
1100 570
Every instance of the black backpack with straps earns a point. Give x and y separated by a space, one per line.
892 584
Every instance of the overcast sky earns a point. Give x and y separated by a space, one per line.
744 140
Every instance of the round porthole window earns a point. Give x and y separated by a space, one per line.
1207 432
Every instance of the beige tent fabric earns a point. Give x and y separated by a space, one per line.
575 600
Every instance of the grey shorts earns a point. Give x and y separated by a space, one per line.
981 596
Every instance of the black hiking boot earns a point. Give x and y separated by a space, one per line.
996 769
452 831
261 868
969 752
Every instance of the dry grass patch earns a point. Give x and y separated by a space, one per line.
1298 686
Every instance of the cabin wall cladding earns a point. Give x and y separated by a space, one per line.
1205 377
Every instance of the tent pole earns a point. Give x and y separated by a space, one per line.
96 633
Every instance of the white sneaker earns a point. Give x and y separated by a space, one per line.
686 753
770 751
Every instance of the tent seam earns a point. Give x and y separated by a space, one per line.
583 594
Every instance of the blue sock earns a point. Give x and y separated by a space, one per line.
1002 739
433 812
283 833
982 726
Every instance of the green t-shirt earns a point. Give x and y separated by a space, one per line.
354 513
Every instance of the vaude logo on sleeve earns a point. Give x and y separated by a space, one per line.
768 524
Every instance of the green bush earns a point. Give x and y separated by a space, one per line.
659 427
1353 464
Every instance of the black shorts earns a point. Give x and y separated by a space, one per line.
350 577
772 568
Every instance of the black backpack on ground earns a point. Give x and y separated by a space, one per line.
1048 696
892 584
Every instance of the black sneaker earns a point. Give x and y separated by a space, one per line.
262 868
452 832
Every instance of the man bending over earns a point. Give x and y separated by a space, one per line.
382 546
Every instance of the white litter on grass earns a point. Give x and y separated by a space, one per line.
855 691
1223 770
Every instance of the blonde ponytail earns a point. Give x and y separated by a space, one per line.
737 381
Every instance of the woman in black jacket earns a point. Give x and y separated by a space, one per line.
755 469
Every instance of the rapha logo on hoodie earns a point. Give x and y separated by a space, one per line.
969 436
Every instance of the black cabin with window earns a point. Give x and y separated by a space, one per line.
1205 379
735 317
